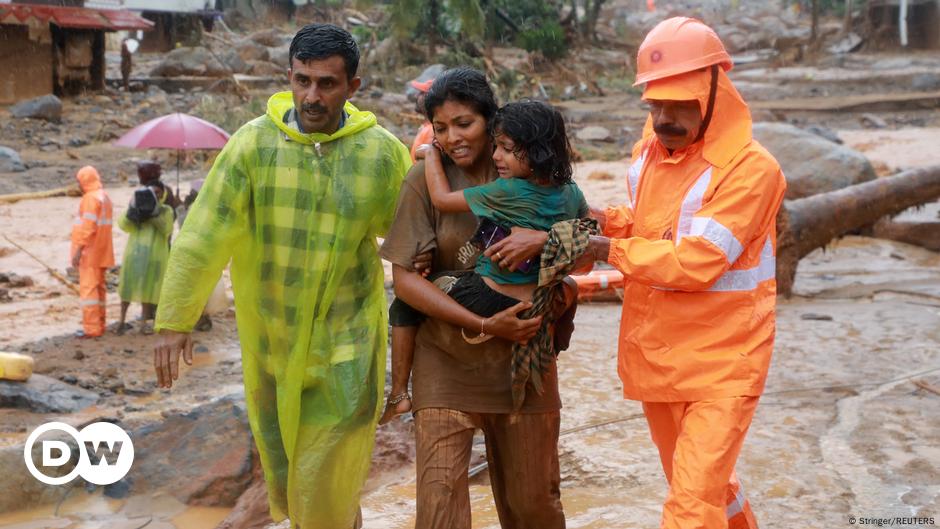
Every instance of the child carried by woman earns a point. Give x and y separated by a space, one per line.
535 190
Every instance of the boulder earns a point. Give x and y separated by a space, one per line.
594 133
271 37
250 50
431 72
10 161
201 457
48 107
280 55
42 394
234 62
811 163
196 61
266 69
926 82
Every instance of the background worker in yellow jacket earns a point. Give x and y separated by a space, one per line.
92 251
148 229
295 200
696 243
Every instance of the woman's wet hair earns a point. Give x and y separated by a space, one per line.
463 85
538 132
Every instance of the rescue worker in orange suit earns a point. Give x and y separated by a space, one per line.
92 250
425 134
696 242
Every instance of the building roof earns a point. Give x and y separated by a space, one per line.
72 17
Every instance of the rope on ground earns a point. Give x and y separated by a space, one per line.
52 271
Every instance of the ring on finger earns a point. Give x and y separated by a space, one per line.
499 256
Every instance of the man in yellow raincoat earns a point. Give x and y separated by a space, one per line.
696 244
296 199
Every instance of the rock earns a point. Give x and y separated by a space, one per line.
926 82
196 61
42 394
594 133
251 511
266 69
280 55
18 281
234 62
872 121
202 457
250 50
10 161
431 72
825 132
812 164
270 37
5 295
47 107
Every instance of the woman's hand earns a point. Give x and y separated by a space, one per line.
521 245
506 324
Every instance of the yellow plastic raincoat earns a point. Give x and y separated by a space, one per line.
145 256
298 214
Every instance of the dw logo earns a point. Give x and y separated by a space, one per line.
105 453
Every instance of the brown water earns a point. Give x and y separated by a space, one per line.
81 510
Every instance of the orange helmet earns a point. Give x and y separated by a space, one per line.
679 45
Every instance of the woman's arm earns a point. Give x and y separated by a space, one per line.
442 197
421 294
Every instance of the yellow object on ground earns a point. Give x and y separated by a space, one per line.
298 215
15 366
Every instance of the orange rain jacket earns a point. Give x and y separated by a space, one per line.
425 135
92 227
696 243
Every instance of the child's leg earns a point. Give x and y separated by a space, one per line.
564 325
403 350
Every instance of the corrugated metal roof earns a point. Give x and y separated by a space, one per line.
72 17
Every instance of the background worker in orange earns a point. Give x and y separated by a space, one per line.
425 134
696 244
92 251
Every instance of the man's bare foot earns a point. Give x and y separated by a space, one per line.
396 405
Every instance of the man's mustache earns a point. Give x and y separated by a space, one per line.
313 107
669 129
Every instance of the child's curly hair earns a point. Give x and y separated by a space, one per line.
538 130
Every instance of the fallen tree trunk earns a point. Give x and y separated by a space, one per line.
809 223
923 234
72 190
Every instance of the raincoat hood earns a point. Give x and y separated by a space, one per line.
356 120
730 129
88 179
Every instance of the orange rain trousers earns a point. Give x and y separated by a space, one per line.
698 444
92 291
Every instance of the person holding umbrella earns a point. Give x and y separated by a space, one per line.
296 200
148 222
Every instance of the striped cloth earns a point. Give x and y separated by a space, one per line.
567 241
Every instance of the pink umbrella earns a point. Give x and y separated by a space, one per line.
175 131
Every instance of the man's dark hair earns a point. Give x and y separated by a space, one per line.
321 41
464 85
538 132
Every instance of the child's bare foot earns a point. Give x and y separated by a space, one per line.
396 405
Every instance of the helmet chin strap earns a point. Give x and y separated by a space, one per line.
712 91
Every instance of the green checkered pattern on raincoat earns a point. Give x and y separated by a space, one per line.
145 256
298 214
